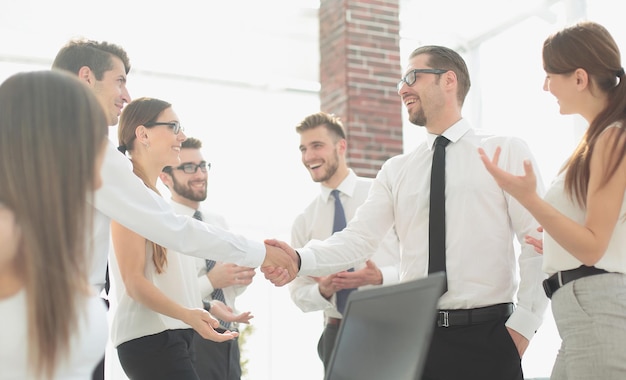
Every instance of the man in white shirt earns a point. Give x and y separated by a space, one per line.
124 198
219 282
323 147
480 334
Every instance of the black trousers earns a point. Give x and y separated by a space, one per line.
483 351
215 360
163 356
326 344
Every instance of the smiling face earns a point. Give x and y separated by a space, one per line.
162 145
323 156
111 90
425 98
563 87
186 187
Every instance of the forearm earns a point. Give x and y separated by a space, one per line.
147 294
579 240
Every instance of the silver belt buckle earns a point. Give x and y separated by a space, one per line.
443 320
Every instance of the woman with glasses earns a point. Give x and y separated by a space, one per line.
52 139
157 303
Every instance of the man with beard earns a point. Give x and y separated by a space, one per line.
323 147
219 282
494 301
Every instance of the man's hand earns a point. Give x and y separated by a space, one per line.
224 312
281 262
224 275
520 342
370 275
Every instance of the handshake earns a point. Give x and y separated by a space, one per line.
281 264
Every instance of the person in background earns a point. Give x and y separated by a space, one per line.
53 135
157 301
487 316
220 283
323 147
104 68
583 212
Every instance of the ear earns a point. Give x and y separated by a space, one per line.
166 179
141 134
342 145
86 75
582 78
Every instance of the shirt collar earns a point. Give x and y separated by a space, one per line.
180 208
346 186
453 133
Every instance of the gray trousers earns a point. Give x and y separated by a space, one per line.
590 315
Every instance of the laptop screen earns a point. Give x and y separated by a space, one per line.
386 331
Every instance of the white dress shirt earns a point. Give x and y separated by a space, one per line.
481 224
316 223
131 318
124 198
556 258
204 284
86 345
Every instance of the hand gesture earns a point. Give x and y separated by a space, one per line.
281 262
205 324
224 275
370 275
225 313
536 243
520 187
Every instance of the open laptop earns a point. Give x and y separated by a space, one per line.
386 331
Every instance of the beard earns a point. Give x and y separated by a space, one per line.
186 191
418 118
330 170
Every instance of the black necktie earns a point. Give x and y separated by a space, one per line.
437 217
339 223
217 294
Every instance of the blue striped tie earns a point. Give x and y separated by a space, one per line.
339 223
217 294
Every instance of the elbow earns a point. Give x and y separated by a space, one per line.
591 258
131 284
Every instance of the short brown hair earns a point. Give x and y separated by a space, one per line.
330 121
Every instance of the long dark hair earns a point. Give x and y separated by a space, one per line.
589 46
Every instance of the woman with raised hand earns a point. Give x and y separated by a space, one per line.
52 139
158 299
584 212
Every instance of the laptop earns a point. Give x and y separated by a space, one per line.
386 331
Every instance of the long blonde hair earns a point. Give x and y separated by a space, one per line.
140 112
51 130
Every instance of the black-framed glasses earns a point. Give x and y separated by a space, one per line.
410 77
191 168
175 125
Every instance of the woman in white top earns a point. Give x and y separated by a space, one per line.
52 138
158 300
584 213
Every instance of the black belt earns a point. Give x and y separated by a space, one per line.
554 282
464 317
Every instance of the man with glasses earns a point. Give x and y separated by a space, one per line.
123 197
494 301
219 282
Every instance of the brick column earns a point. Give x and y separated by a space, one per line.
359 68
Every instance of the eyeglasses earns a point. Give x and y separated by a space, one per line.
191 168
175 125
410 77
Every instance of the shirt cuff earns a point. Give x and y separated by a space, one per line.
524 322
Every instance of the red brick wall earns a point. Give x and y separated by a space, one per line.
359 68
